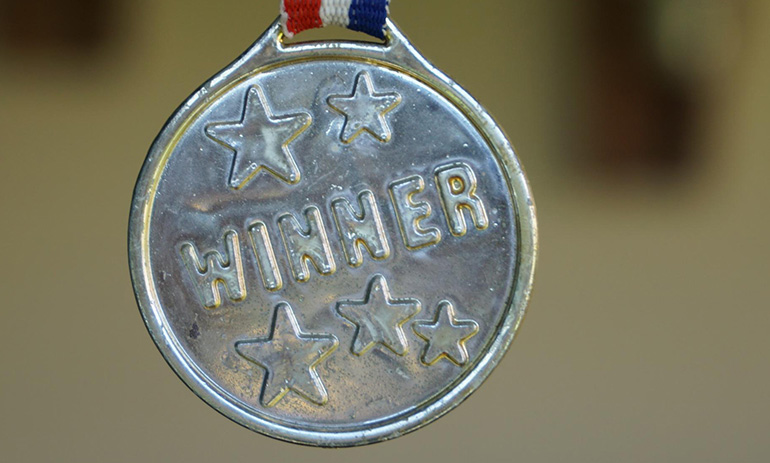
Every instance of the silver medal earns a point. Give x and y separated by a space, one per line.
332 243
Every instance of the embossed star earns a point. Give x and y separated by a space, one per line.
289 357
379 318
260 141
446 336
365 110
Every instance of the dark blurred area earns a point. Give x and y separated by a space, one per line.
68 26
643 128
642 112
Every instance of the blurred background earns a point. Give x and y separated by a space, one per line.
644 128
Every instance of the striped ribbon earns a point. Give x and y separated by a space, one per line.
367 16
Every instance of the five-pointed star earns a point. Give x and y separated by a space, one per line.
289 356
261 140
365 110
446 336
379 318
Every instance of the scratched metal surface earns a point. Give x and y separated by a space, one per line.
314 361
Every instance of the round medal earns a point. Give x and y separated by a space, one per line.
332 243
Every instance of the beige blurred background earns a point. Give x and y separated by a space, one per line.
644 127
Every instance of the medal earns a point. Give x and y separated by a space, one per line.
332 243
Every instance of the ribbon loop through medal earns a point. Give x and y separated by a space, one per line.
367 16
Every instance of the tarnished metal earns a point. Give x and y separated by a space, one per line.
332 243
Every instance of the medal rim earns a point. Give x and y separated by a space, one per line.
267 53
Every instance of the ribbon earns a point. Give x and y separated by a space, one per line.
367 16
